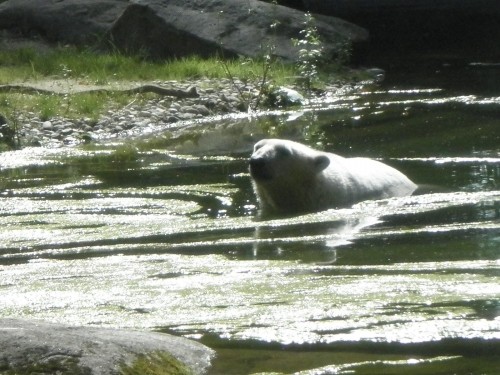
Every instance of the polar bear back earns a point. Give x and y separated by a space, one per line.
289 177
362 179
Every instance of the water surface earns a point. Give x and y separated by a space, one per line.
164 237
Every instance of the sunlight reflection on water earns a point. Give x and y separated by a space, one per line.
170 241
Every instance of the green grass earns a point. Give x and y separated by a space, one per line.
89 68
65 63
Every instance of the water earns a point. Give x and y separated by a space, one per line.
162 236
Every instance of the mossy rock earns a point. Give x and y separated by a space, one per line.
34 347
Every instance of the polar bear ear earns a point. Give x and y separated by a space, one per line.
321 162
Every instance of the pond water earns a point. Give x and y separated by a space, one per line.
161 235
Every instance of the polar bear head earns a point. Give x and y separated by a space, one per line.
283 172
283 160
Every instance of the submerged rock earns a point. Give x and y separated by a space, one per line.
35 346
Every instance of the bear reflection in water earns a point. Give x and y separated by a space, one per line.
291 178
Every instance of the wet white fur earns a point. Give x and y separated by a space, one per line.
302 179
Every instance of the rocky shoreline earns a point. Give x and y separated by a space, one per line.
214 98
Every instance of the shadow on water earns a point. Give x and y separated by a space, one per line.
162 235
450 356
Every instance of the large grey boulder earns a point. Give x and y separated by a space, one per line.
176 28
39 347
173 28
64 21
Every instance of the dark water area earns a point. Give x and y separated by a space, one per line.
420 32
162 236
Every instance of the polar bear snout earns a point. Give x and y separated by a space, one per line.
259 169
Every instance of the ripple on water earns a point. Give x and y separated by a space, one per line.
166 242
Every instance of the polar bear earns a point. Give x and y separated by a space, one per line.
291 178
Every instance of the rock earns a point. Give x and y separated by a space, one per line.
70 21
176 28
47 125
377 74
172 119
284 97
66 131
201 109
55 348
81 22
197 109
7 133
297 4
186 116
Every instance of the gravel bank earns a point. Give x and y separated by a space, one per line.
216 97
